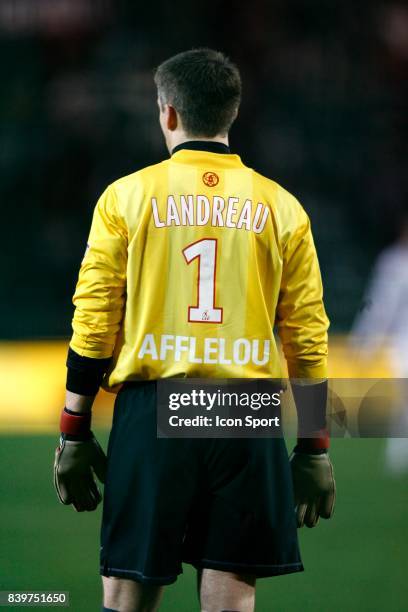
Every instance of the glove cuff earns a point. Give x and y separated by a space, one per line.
75 424
318 444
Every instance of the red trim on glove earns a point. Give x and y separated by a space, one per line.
75 424
319 441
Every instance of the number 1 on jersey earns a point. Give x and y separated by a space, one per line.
205 311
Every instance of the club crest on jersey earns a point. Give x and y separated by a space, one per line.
210 179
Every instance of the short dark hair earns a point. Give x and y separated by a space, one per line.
204 87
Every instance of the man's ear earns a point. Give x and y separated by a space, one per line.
172 118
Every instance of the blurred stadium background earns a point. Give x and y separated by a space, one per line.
324 114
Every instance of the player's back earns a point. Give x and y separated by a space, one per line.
206 237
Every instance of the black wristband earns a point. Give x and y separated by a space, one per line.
311 401
85 374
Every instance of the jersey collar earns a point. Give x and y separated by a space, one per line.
206 153
202 145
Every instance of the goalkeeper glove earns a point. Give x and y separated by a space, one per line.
314 487
77 459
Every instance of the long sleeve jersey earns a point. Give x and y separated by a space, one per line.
190 265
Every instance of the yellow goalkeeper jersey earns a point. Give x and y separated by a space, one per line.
189 266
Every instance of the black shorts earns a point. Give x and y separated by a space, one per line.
225 504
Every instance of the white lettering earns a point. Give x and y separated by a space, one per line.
258 229
192 354
148 347
222 358
203 210
209 351
166 346
172 212
181 345
255 352
246 345
218 207
187 210
245 216
156 217
231 211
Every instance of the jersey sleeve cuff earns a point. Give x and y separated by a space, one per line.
85 347
305 369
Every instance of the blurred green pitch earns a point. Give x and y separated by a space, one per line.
356 562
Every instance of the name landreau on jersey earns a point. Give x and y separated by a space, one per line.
217 211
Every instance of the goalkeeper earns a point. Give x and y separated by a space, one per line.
186 259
